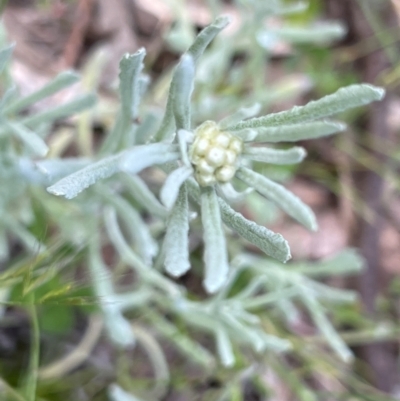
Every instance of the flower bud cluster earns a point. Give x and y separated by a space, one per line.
214 154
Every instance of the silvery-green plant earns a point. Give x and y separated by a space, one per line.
22 140
205 162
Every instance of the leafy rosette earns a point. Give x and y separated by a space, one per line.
202 163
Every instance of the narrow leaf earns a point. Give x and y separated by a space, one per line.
346 262
215 255
207 35
167 126
59 168
130 66
170 189
75 106
147 246
176 242
75 183
183 87
224 347
326 328
278 194
229 193
269 242
321 33
5 55
298 132
240 115
139 157
142 194
30 138
61 81
275 156
344 99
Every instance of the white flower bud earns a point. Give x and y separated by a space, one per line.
230 157
225 173
236 145
222 139
205 179
204 168
202 146
216 156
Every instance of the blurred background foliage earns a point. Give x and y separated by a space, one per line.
57 255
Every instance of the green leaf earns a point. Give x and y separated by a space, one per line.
278 194
5 55
170 189
139 157
182 91
139 231
326 328
344 99
61 81
240 115
275 156
167 126
207 35
131 66
75 106
346 262
269 242
215 254
321 33
30 138
142 194
119 328
56 169
176 242
75 183
298 132
224 347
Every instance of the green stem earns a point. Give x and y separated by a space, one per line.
31 382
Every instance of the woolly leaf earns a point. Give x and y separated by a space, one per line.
130 67
240 115
298 132
139 157
275 156
224 347
176 242
215 255
230 194
321 33
269 242
139 231
278 194
5 55
167 126
170 189
344 99
58 168
61 81
325 326
118 327
75 183
75 106
142 194
207 35
30 138
183 87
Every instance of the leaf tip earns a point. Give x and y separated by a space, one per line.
223 20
